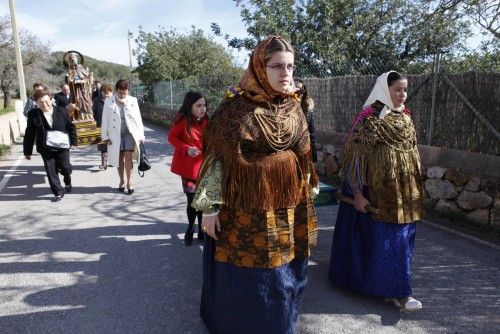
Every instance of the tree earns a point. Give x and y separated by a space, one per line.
203 64
34 54
353 36
485 13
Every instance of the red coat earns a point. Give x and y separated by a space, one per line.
182 163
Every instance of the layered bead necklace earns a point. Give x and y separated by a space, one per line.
280 131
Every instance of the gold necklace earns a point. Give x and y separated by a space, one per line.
280 131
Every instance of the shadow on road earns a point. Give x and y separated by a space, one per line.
458 287
139 286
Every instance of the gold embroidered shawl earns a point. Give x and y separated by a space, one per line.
382 154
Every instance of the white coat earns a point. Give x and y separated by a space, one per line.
111 124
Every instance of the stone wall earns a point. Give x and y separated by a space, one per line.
455 192
457 183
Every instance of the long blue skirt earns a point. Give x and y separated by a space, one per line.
250 300
369 256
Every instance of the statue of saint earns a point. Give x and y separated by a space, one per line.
80 81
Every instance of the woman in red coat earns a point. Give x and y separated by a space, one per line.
186 136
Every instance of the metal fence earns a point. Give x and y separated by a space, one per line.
469 122
459 111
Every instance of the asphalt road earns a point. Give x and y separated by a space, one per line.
101 261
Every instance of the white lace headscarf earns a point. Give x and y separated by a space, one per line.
380 92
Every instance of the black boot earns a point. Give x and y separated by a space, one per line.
188 236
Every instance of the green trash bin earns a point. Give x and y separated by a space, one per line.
326 195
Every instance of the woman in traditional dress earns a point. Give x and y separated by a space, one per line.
371 252
186 137
254 189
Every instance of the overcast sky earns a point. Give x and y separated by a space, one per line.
98 28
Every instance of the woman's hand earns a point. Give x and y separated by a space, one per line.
193 152
210 223
360 202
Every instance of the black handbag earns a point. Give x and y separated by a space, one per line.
144 164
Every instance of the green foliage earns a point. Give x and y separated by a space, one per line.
203 64
6 110
355 36
4 149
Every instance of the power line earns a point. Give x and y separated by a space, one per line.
112 25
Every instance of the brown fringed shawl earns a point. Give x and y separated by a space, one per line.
382 154
262 140
259 172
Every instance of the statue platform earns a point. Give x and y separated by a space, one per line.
87 133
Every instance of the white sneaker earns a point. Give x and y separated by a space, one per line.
407 304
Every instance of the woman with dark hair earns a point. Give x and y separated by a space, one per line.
371 252
307 105
186 137
254 189
43 119
123 131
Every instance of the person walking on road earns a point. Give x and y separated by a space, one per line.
254 189
372 252
186 136
307 105
123 131
97 107
31 102
42 120
62 98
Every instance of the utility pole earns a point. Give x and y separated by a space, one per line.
129 35
436 69
17 48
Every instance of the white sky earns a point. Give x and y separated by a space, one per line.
99 28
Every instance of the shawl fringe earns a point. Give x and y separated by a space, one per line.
267 183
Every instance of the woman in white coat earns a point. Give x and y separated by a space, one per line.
122 129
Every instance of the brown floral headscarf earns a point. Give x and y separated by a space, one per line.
254 82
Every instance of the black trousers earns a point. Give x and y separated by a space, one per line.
192 213
57 162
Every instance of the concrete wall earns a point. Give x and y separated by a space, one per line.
10 130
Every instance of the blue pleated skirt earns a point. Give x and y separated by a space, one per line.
250 300
369 256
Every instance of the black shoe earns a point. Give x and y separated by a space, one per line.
57 198
130 191
68 188
121 189
201 235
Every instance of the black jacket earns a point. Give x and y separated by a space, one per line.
312 135
61 100
97 107
38 125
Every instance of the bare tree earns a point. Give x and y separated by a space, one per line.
34 53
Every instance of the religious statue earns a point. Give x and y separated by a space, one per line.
80 81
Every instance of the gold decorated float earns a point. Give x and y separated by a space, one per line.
87 133
80 79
